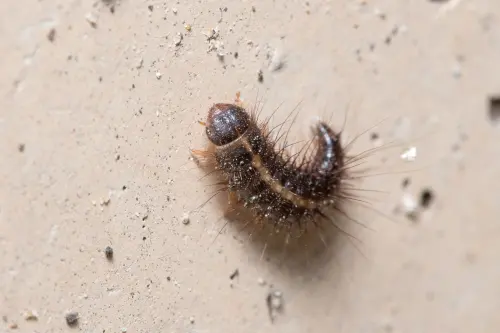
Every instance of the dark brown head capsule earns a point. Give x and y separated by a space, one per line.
226 123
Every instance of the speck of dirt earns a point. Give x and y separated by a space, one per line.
234 274
72 319
236 54
374 136
494 109
426 198
144 238
274 301
51 36
21 147
108 251
151 7
260 76
406 182
31 316
91 19
178 39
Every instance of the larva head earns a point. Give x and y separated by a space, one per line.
226 123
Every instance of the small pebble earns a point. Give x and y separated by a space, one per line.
158 75
72 318
185 219
109 252
91 19
274 302
406 182
410 154
277 61
260 76
178 39
31 315
456 70
51 36
410 207
494 109
191 320
234 274
21 147
426 198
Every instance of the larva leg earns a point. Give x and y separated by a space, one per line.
198 153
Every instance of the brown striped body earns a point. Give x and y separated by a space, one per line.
283 190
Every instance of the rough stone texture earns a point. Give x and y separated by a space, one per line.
105 110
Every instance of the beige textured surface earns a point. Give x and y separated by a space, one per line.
93 94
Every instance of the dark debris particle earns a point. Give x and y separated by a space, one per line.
274 301
31 316
144 238
494 109
51 36
234 274
108 251
72 319
374 136
236 54
151 7
260 76
406 182
426 198
21 147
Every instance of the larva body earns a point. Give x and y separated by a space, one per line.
275 187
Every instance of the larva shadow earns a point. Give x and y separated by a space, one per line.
301 249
